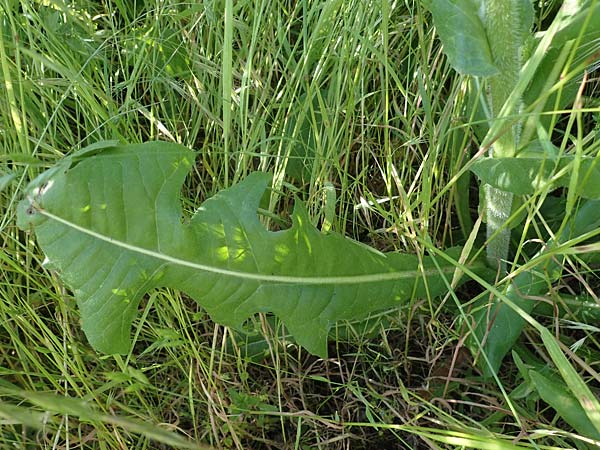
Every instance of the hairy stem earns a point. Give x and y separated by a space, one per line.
502 20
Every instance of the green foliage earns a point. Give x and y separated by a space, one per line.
304 128
498 325
49 405
504 33
361 97
525 176
5 180
565 403
109 221
576 37
578 387
463 35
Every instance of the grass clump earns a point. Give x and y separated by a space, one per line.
343 98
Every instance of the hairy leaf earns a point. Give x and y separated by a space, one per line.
110 223
523 176
463 35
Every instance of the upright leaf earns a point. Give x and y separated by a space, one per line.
461 31
6 179
111 225
578 387
497 325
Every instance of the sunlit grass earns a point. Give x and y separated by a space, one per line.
352 95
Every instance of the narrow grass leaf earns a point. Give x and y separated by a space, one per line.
580 25
463 439
578 387
82 410
5 180
227 80
13 414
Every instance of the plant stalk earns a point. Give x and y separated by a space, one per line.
503 22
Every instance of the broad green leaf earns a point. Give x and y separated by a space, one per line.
303 127
523 176
497 325
111 226
463 35
566 405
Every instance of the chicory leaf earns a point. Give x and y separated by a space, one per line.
111 225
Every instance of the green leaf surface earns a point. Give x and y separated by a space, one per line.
304 127
463 35
497 325
577 386
6 179
526 18
565 403
111 225
13 414
524 176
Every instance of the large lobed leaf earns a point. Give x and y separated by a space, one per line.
110 223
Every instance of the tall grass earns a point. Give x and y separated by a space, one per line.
350 95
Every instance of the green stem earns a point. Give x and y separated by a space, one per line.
502 20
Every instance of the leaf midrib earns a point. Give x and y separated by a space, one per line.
345 279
